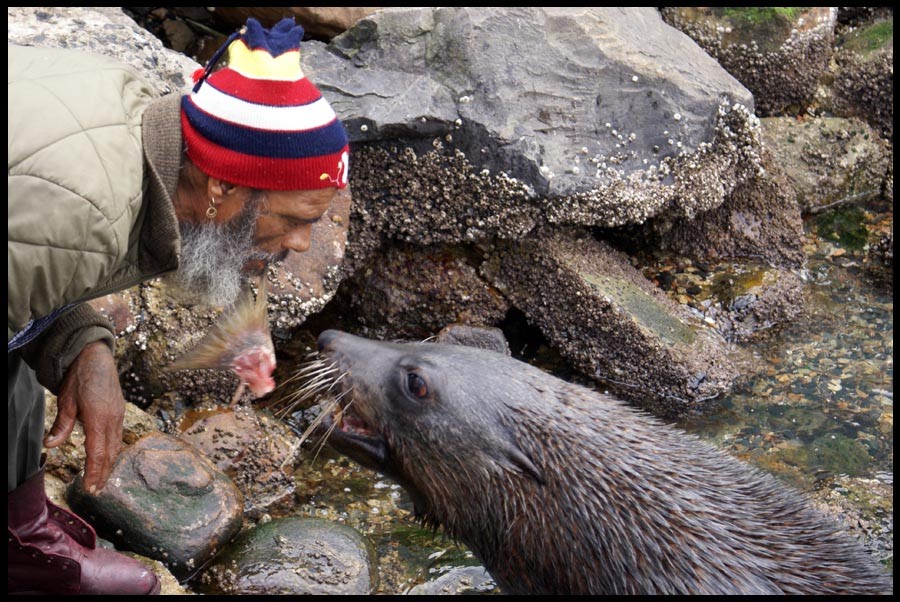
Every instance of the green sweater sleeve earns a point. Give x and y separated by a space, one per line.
50 354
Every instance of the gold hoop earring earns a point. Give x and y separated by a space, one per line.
212 212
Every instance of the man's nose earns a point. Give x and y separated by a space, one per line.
298 239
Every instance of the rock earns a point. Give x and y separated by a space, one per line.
480 337
611 323
864 75
305 282
168 582
778 53
55 488
180 36
430 97
760 221
458 581
101 30
256 451
295 556
759 303
118 308
413 292
67 459
430 198
322 22
860 16
138 423
828 160
880 259
864 507
165 501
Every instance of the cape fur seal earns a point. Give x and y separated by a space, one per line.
561 489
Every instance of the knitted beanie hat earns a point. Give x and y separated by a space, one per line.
258 121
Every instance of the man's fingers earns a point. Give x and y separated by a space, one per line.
101 449
66 411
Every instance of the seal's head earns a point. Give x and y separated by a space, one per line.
418 413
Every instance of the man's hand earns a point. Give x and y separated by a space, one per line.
91 393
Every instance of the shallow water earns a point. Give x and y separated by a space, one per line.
815 408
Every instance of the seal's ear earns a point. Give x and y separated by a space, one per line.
520 461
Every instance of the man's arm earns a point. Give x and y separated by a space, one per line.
74 360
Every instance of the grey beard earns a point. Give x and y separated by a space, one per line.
212 256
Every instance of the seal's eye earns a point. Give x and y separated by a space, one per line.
416 385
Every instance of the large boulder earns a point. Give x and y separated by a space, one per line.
587 114
778 53
101 30
864 74
611 323
828 160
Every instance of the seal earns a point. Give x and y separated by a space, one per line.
561 489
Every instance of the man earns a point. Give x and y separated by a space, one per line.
108 186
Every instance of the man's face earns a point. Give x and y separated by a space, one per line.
244 238
285 221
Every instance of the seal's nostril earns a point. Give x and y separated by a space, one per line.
326 338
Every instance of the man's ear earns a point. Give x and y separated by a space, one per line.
219 188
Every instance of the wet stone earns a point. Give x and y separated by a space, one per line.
865 507
880 258
165 501
255 450
169 585
295 556
68 459
756 303
458 581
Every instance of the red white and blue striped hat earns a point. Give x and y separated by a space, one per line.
258 121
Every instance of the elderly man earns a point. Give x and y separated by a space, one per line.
108 186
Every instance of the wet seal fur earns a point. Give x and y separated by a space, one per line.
560 489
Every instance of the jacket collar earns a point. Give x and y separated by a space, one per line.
160 245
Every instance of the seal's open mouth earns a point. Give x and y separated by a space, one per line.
351 435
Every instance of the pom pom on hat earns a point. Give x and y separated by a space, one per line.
259 122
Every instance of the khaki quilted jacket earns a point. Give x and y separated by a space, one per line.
93 158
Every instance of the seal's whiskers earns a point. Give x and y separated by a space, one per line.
327 408
327 434
315 367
